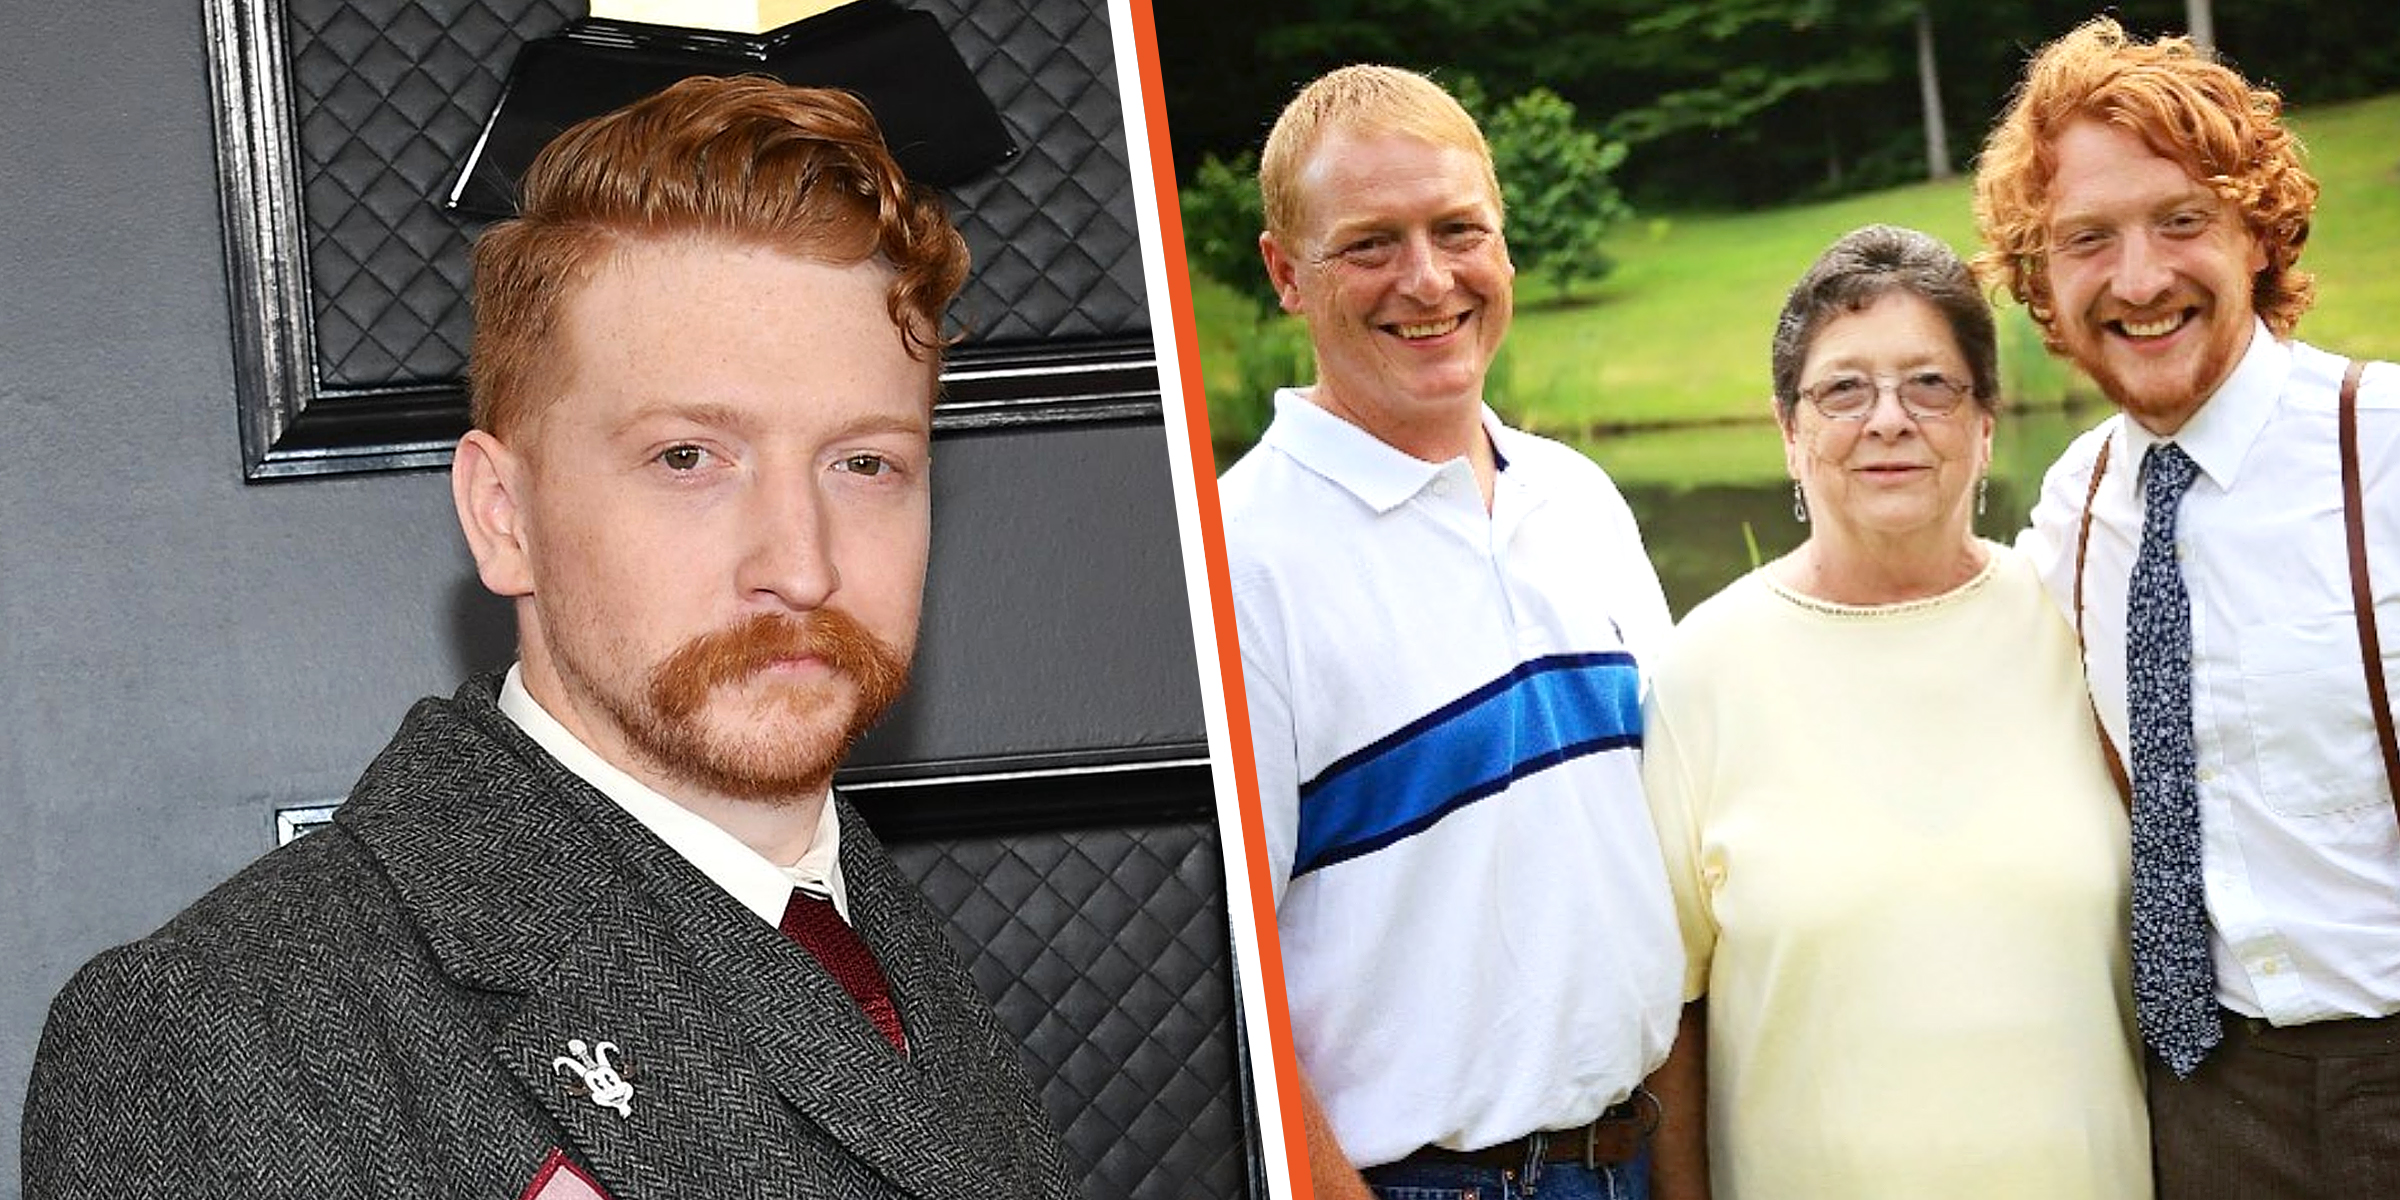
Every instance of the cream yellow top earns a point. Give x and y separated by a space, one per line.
1899 867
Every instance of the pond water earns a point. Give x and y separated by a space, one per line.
1700 534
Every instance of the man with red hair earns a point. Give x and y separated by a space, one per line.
2148 207
599 927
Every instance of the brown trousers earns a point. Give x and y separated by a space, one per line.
2310 1111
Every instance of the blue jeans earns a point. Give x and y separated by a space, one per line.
1552 1181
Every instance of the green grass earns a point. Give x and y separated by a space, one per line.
2354 248
1678 334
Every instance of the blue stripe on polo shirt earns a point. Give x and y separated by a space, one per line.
1545 712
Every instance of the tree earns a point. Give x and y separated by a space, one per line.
1743 97
1555 177
1929 89
1222 217
2201 20
1727 103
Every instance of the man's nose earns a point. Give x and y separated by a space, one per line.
2142 273
788 561
1425 272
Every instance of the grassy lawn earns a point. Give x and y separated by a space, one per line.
1678 334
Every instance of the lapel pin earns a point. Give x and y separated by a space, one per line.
602 1082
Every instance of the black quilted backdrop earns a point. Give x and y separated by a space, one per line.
390 94
1106 951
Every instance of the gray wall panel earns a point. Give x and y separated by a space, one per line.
181 653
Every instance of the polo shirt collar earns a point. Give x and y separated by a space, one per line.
2220 435
1360 463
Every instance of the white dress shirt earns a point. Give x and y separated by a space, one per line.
2300 849
761 885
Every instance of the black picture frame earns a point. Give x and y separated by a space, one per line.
296 423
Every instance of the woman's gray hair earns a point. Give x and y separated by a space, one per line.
1861 268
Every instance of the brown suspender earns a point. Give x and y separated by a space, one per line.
2083 542
2362 596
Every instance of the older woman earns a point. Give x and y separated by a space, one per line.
1898 860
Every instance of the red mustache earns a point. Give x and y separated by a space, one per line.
681 684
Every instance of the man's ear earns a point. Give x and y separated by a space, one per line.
486 483
1282 272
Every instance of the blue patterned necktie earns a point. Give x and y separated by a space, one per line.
2174 983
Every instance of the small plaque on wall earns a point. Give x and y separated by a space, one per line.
291 823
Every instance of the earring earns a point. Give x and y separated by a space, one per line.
1799 503
1983 486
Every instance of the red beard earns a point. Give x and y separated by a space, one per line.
773 762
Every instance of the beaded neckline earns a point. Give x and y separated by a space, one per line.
1899 608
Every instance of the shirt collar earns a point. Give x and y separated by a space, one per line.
1381 477
2220 434
749 877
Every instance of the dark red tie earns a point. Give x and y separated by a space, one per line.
812 921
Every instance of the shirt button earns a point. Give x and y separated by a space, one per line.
1441 486
2207 775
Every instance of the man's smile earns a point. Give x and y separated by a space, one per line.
1425 330
2154 327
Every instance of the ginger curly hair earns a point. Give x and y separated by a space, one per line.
750 160
2185 106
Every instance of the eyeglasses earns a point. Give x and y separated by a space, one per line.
1850 397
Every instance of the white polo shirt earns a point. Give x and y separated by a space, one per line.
1478 940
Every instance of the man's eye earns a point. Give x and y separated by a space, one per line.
1460 237
1367 252
682 458
865 464
2082 241
2187 223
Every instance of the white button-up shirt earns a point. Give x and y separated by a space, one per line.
2300 846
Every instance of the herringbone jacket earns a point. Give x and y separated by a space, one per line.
377 1010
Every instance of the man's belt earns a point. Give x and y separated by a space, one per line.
1615 1137
2348 1037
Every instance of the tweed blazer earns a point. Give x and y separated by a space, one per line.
377 1010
